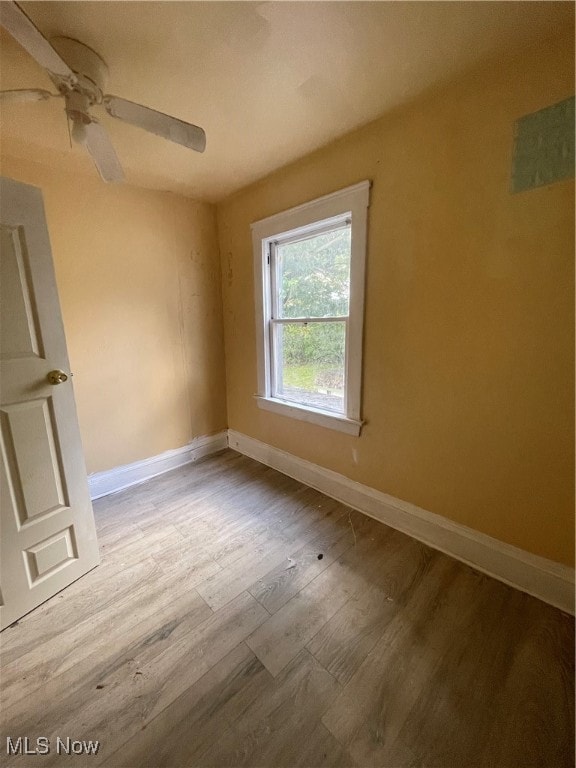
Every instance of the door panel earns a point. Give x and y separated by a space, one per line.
29 443
21 337
48 537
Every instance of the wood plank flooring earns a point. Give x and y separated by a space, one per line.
239 618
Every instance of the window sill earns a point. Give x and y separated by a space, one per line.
311 415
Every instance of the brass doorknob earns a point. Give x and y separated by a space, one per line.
57 377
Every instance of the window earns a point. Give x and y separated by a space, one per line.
309 275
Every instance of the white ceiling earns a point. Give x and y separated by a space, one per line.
268 81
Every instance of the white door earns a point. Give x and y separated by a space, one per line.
48 538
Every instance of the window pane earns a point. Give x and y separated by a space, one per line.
310 364
314 275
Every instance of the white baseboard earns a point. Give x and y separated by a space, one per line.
549 581
112 480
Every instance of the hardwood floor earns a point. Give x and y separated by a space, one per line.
239 618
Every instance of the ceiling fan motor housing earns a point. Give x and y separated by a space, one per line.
77 106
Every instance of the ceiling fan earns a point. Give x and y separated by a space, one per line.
80 76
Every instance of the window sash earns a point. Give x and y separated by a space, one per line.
307 320
276 362
274 261
275 358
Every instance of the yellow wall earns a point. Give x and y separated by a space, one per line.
139 282
469 326
468 366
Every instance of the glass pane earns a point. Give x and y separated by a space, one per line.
310 364
314 275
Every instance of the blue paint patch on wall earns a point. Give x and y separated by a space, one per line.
544 147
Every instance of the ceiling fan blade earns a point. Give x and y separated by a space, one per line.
105 159
15 21
25 94
150 120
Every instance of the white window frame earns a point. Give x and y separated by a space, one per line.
352 204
